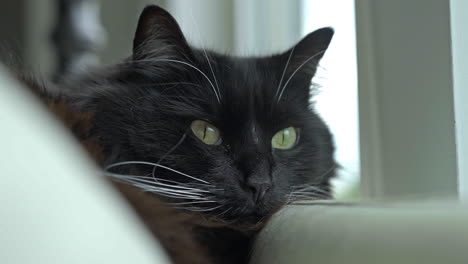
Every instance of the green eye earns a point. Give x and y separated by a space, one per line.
206 132
284 139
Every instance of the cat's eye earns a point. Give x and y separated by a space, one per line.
284 139
206 132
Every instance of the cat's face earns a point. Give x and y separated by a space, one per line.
234 137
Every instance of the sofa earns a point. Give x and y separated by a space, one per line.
55 209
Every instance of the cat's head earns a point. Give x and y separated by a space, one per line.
229 136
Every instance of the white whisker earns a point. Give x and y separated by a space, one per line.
189 65
196 202
168 193
154 164
309 189
188 194
223 213
284 72
294 73
155 182
153 172
201 209
204 51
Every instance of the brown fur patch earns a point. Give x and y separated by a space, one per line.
188 237
80 123
173 228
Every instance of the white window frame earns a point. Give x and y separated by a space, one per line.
406 98
459 24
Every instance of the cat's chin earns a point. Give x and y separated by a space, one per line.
255 215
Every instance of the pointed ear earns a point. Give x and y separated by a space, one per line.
301 61
306 54
158 29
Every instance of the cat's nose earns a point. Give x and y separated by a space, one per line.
258 189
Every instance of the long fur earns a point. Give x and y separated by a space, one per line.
203 202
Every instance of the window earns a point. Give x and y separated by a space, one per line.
337 100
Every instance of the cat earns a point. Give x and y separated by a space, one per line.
204 146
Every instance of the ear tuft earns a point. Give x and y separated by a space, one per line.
306 54
301 63
320 38
314 45
156 27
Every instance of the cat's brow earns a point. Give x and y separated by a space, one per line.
218 98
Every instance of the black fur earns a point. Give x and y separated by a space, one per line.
145 105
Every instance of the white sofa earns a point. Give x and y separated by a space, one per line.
54 206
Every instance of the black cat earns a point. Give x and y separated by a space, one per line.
205 146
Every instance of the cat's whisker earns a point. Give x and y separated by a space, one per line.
311 196
317 179
202 209
190 194
284 72
314 193
150 180
153 172
176 196
310 188
168 194
304 200
223 213
195 202
154 164
152 188
294 73
304 192
168 84
189 65
212 72
206 55
157 179
193 186
295 198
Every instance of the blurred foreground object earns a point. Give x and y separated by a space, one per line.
55 206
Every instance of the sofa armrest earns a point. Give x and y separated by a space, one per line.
54 206
333 233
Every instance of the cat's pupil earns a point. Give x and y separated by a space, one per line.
204 132
207 130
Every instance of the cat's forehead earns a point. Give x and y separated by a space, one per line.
248 90
251 79
239 92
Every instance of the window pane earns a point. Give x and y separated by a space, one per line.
337 81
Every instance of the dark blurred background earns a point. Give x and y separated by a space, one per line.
26 26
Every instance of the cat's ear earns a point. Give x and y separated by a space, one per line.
299 63
157 31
